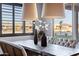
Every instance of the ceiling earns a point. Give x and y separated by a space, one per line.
69 6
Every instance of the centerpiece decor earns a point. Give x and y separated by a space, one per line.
41 27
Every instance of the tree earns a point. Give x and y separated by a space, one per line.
60 26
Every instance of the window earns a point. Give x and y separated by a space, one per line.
12 21
63 27
7 19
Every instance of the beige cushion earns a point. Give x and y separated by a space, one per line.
66 43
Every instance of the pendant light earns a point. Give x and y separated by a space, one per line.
30 11
53 10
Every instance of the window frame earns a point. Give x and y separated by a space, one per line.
13 22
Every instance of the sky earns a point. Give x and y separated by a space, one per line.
67 19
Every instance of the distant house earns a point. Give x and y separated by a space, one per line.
64 28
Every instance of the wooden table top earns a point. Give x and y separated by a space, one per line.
51 49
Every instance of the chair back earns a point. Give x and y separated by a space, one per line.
12 49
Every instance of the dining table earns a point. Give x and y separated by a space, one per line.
49 50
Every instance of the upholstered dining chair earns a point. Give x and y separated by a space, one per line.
11 49
72 43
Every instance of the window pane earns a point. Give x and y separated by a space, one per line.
63 27
6 27
18 27
28 27
7 19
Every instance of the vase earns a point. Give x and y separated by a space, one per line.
43 39
35 37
